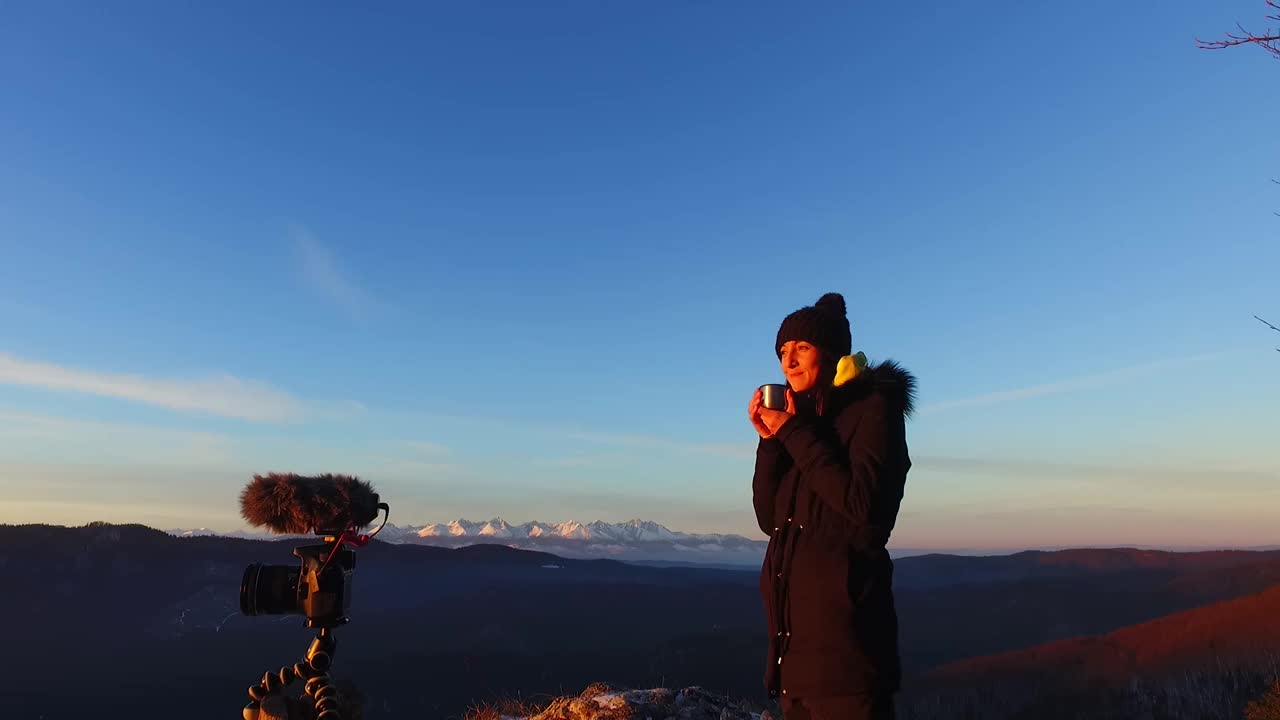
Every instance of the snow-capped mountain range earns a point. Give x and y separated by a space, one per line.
637 540
630 531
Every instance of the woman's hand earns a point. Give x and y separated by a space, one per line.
753 412
767 421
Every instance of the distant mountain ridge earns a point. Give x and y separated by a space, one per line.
636 539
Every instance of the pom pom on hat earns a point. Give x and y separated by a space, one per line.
832 302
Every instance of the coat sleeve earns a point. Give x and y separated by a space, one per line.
772 462
843 478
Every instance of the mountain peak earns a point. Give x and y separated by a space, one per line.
496 527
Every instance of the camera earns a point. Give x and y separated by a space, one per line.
333 507
319 587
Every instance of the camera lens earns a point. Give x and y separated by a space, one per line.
269 590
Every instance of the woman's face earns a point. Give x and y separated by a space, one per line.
801 363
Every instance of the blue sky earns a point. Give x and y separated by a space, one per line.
528 259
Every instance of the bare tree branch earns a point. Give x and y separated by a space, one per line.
1264 322
1269 40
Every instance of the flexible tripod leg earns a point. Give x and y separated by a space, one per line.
313 670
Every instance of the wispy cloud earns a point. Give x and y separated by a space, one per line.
652 442
1219 478
1081 382
322 270
159 494
559 431
420 458
570 461
143 443
340 410
424 447
409 467
221 395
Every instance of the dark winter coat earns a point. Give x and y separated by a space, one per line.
827 490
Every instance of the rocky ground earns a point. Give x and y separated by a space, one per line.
600 702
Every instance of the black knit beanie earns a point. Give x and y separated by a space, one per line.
824 324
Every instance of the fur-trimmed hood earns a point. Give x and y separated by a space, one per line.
887 378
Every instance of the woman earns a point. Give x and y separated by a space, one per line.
829 478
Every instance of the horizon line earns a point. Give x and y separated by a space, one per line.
918 550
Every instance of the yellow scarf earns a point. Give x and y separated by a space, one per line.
848 368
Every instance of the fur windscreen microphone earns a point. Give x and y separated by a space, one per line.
291 504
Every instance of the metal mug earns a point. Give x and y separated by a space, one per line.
773 396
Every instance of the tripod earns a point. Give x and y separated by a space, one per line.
313 670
